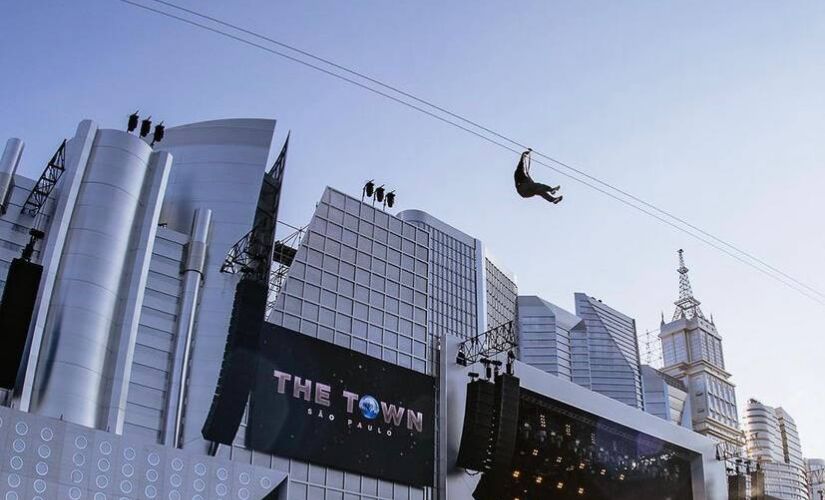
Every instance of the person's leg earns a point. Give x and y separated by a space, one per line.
547 196
544 187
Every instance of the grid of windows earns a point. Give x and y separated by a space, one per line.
502 293
154 345
706 347
544 340
721 400
612 350
359 280
453 283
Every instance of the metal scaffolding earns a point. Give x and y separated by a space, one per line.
46 183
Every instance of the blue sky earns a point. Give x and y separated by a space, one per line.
712 110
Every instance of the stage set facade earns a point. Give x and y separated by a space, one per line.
166 336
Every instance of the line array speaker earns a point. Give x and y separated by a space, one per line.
488 439
478 425
239 362
16 310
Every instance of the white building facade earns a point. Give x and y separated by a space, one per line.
773 442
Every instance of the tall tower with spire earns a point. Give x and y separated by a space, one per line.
692 352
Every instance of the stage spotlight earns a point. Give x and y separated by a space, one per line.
369 188
560 485
145 127
539 479
158 135
133 122
391 199
379 194
516 474
581 491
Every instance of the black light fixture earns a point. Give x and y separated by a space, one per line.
369 189
158 135
133 122
35 235
391 199
488 369
379 194
146 127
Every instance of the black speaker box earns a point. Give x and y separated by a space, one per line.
16 310
478 425
239 362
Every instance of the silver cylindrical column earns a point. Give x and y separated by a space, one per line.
82 327
8 167
193 267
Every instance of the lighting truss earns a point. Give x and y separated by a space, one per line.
243 257
46 183
494 341
283 254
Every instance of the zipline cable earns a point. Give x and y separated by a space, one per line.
795 285
490 131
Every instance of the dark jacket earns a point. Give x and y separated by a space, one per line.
520 176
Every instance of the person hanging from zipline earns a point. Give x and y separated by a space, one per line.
527 187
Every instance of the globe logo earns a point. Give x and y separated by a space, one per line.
369 407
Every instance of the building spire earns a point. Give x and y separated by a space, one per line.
687 306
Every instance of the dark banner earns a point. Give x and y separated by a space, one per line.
328 405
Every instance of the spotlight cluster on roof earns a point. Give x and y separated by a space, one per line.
145 127
379 194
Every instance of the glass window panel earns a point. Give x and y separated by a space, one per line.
312 292
346 287
327 317
327 298
362 293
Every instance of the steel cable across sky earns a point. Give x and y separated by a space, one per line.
484 132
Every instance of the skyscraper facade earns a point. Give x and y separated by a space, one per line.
544 335
773 442
501 291
595 348
457 301
692 353
606 360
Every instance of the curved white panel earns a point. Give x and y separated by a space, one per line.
84 323
219 165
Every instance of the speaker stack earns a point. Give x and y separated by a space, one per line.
16 310
239 362
478 426
488 439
